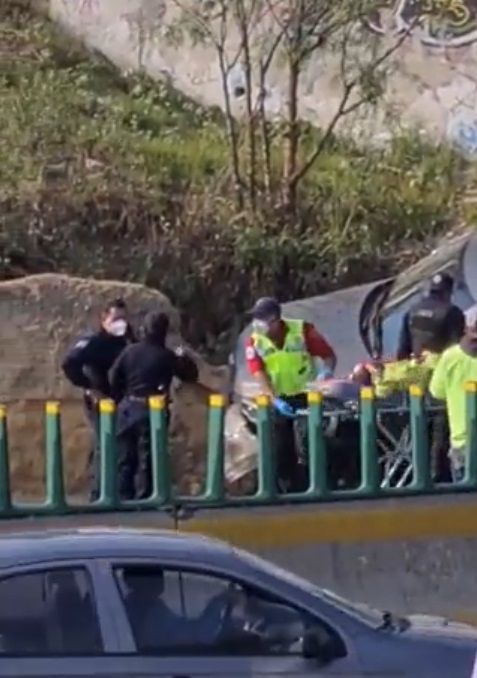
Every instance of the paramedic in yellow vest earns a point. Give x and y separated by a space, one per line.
284 356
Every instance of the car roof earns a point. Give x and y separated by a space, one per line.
101 542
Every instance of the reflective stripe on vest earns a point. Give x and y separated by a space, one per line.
289 368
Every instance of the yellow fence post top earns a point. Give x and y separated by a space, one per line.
106 406
52 407
263 400
314 397
367 393
217 400
471 387
157 402
3 411
416 391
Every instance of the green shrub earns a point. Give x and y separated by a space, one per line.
139 175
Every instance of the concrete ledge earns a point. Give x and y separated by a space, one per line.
396 519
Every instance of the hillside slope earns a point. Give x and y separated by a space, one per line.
121 177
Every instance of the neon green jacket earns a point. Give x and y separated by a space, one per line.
291 368
399 375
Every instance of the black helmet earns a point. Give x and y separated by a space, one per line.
441 283
266 308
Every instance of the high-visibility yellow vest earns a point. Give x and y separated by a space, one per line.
399 375
290 368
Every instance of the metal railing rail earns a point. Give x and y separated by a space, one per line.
215 494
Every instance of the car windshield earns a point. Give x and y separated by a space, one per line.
365 613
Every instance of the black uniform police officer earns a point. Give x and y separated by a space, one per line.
434 323
143 370
87 365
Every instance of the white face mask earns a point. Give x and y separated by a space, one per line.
261 326
118 328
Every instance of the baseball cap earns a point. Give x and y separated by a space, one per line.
441 282
265 308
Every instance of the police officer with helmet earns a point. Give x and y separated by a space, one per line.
434 323
87 364
144 369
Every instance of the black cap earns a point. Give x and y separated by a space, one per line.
441 282
266 308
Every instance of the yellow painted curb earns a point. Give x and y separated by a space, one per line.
291 527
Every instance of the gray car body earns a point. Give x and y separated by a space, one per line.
428 648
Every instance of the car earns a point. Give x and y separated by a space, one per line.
128 602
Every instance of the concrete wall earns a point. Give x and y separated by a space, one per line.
434 83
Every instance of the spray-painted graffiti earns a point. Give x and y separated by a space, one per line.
439 23
462 132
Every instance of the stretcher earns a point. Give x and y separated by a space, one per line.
341 431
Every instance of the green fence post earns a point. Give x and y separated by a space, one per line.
471 411
369 443
266 451
421 462
317 460
55 487
108 478
5 495
161 472
215 449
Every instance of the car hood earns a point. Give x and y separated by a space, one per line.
441 627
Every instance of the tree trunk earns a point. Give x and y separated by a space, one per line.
265 138
231 130
252 150
292 135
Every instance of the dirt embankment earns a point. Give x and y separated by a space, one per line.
41 315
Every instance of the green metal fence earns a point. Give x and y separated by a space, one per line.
215 493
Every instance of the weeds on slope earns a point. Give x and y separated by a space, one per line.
117 176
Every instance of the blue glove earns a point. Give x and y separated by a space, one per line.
283 408
325 373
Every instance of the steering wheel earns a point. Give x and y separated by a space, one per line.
218 612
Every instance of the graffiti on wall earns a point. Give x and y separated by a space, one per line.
439 23
462 132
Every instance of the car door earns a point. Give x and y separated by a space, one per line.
187 622
54 620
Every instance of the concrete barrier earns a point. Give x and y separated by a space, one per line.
404 555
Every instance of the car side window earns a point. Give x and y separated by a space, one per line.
178 611
48 612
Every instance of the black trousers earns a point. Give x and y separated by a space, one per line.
134 461
92 416
439 448
291 467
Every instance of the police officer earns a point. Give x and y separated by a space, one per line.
87 364
434 323
141 371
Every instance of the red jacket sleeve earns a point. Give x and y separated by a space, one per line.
316 344
254 361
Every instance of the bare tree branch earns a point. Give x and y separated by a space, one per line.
343 109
